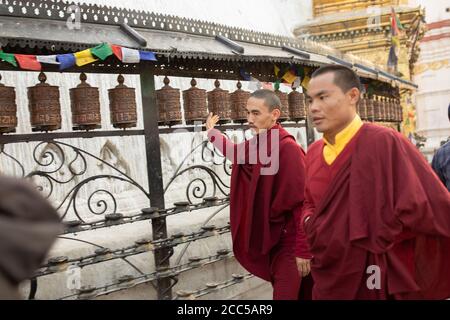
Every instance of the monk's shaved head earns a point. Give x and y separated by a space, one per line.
271 100
345 78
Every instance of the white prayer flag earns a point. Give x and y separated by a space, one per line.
130 55
47 59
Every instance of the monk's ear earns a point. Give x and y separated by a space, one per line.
354 95
276 113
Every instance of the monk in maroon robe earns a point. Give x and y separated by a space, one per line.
376 216
266 197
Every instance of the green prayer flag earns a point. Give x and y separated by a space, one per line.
102 51
277 85
8 57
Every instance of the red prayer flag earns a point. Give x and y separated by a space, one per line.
28 62
117 51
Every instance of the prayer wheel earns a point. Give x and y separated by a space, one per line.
85 105
284 105
383 109
362 108
393 110
389 110
194 104
168 104
44 106
369 107
297 108
122 105
376 109
238 100
8 109
400 110
219 103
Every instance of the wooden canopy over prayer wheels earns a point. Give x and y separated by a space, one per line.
85 105
238 100
8 109
44 106
219 103
122 105
194 104
168 104
284 105
297 105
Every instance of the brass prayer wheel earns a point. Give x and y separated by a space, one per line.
297 108
44 106
168 104
389 109
85 105
8 109
122 105
369 107
219 103
238 100
362 108
383 109
194 104
284 105
376 109
400 112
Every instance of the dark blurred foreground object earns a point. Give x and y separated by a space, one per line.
28 227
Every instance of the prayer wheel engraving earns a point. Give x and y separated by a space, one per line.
168 105
376 109
44 106
122 105
8 109
194 104
369 107
219 103
362 108
297 108
85 105
238 101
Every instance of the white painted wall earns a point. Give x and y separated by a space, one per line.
433 95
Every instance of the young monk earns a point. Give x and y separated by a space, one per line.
266 195
376 217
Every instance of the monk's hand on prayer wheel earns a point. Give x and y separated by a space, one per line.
211 121
303 266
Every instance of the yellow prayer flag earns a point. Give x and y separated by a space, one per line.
396 41
276 70
84 57
305 82
289 77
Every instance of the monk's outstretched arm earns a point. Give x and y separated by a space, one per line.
225 146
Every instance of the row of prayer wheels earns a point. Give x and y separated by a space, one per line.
382 109
45 108
228 106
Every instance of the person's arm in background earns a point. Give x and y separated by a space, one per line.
225 146
437 166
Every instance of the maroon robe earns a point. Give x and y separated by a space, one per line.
263 209
379 204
